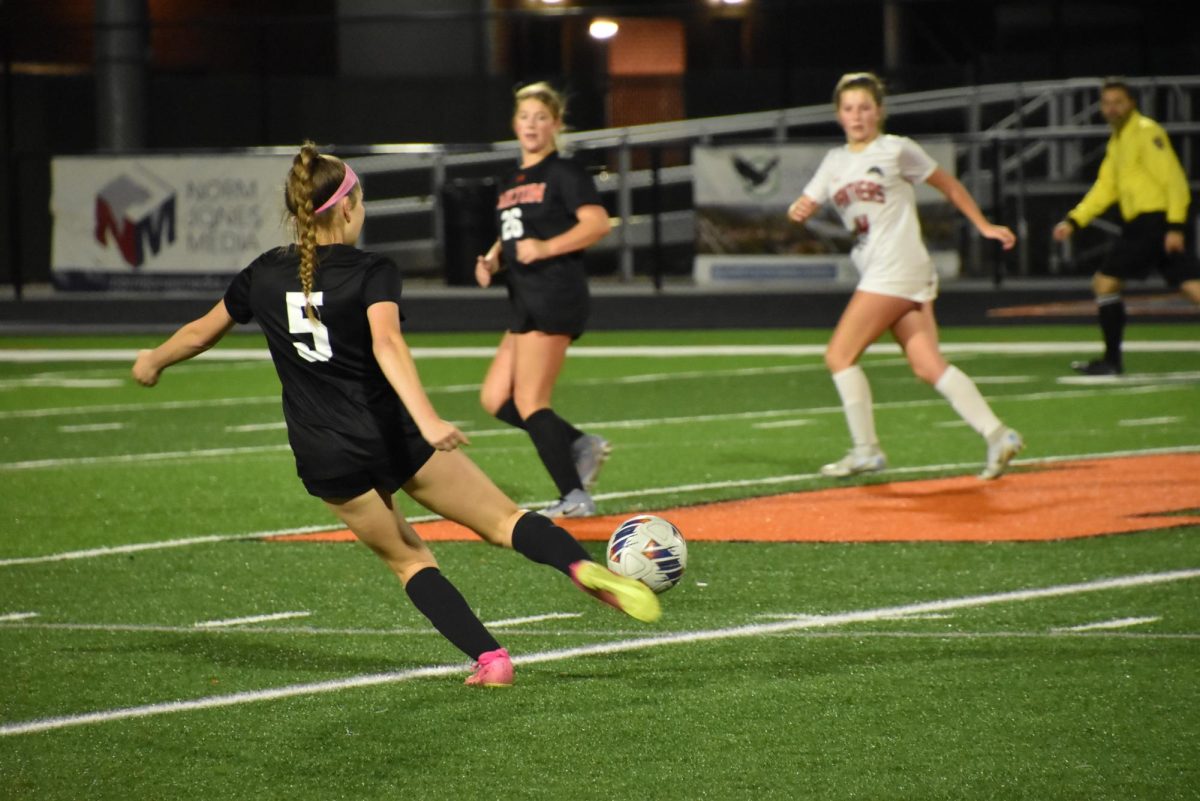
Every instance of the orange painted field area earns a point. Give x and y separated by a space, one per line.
1076 499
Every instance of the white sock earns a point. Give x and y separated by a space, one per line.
964 396
855 392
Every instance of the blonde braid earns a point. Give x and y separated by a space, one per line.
302 183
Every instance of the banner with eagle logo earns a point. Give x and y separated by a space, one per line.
743 236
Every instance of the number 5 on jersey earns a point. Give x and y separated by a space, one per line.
511 226
298 323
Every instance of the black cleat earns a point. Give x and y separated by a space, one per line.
1097 367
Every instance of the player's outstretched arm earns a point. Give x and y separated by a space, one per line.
957 194
395 359
190 340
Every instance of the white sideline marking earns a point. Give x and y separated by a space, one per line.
13 616
1111 624
519 621
242 621
1126 388
617 351
62 383
640 493
1130 378
637 644
1150 421
88 428
784 424
251 427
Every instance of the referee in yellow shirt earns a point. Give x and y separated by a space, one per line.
1141 173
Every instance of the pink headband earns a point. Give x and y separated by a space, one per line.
348 182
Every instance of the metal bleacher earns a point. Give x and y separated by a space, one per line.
1017 144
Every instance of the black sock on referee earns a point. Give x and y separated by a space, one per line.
440 601
552 437
539 540
508 414
1112 325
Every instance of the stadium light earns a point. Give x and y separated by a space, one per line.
602 28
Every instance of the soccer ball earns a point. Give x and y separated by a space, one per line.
650 550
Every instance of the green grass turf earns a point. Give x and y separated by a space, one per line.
987 701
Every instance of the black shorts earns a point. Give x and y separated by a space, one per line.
1139 250
562 314
387 478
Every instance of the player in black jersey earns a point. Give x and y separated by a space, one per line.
548 212
359 421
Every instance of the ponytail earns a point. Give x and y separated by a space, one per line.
313 181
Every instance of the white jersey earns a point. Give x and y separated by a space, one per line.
873 193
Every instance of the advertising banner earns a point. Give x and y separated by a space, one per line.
743 236
162 223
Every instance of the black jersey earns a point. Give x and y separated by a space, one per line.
342 414
540 202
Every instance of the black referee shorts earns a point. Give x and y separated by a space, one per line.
1139 249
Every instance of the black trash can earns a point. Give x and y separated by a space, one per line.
468 226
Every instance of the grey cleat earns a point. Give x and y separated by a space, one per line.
589 453
576 503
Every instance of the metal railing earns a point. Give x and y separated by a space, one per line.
1015 141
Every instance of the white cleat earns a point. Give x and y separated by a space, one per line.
858 460
1002 447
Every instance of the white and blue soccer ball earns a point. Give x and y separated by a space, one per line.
649 549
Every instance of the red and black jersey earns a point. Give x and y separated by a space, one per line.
539 202
342 414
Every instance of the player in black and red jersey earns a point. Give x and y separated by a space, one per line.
359 421
548 212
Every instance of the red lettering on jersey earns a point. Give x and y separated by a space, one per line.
866 191
528 193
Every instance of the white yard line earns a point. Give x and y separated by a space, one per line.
596 649
521 621
32 355
1150 421
10 617
245 621
1121 623
90 428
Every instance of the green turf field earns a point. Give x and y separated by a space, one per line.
155 646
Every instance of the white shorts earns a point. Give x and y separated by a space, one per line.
918 290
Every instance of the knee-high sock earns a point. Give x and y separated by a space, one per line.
552 437
508 414
855 393
440 601
964 396
539 540
1112 325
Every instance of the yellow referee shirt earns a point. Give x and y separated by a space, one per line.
1140 171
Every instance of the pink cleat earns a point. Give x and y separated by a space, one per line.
494 669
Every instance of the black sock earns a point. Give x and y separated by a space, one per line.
551 436
1112 325
539 540
440 601
508 414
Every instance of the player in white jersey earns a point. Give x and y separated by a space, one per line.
870 182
